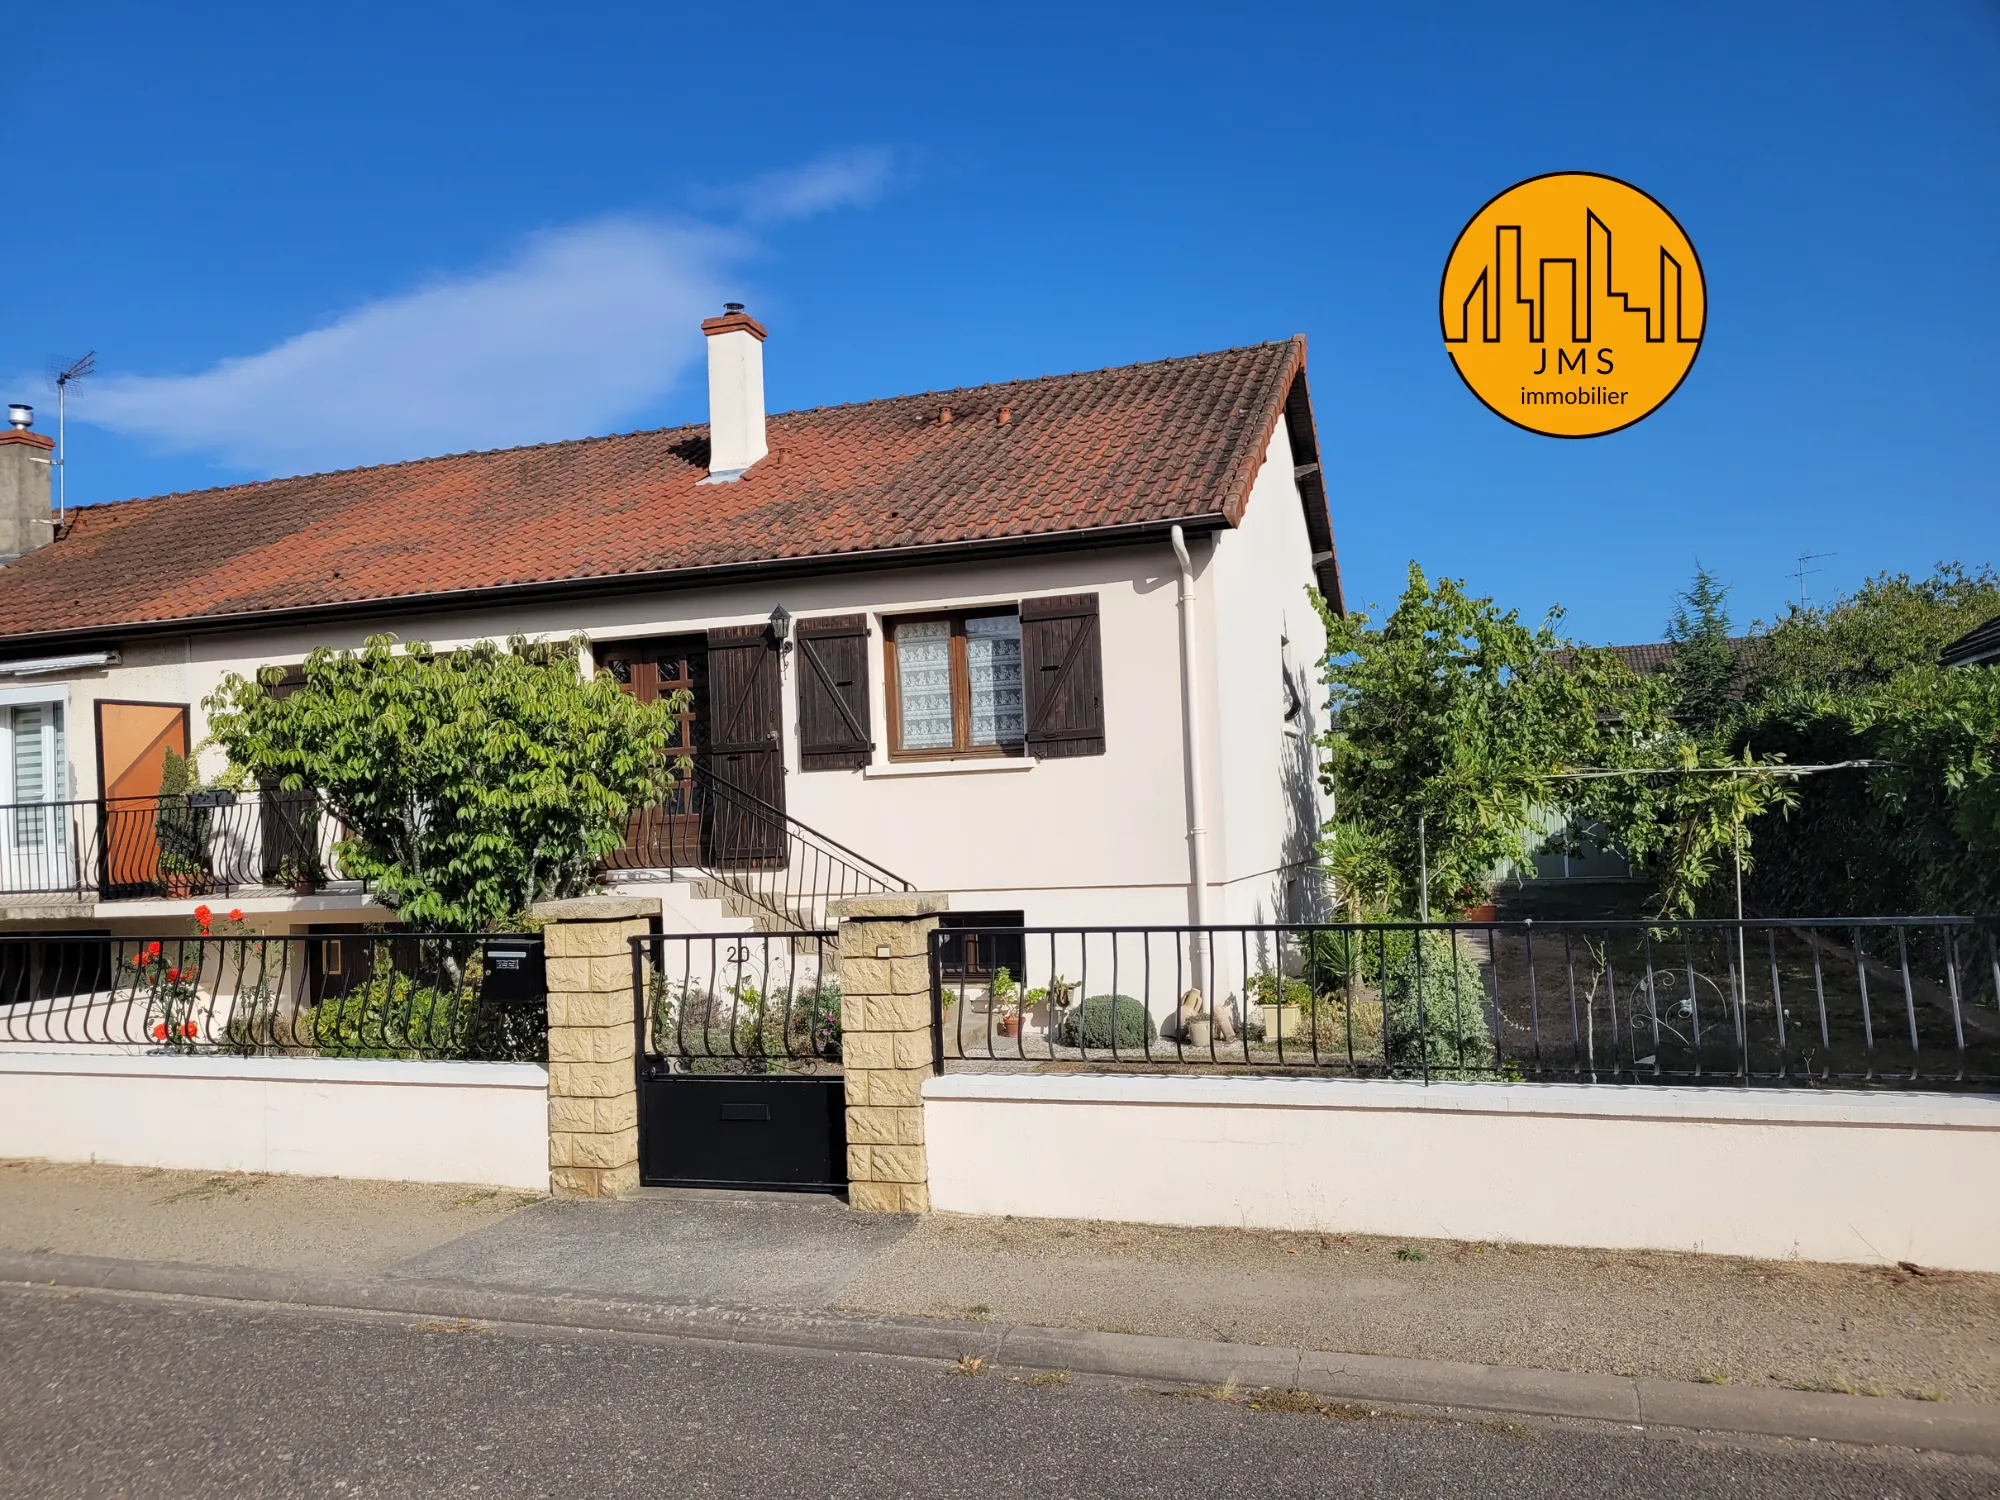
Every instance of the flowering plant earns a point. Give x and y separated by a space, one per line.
172 993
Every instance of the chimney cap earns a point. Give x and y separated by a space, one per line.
734 319
20 415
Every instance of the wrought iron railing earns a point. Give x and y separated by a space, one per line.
774 865
757 1002
348 995
204 843
1867 1002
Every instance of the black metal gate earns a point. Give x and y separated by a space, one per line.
739 1074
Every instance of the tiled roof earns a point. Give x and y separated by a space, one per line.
1656 655
1980 644
1645 659
1145 444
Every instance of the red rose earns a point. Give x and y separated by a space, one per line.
188 1030
160 1031
152 950
203 915
235 913
173 976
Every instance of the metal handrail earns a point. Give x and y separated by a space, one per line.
710 827
889 879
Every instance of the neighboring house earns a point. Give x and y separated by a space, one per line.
937 635
1979 646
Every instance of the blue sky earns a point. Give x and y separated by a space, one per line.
304 237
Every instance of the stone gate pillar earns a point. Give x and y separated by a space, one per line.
885 1010
593 1084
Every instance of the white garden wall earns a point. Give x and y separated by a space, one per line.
1832 1177
322 1117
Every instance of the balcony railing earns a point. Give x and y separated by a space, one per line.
756 858
133 848
761 860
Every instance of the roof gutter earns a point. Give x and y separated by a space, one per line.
611 584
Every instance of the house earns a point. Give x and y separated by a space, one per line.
1979 646
1046 646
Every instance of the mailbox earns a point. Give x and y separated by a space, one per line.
515 973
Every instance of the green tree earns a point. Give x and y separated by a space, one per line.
1857 680
1703 669
1860 641
1916 828
470 784
1455 710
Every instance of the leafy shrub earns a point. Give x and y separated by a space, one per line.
816 1019
1109 1020
744 1022
1434 1011
392 1015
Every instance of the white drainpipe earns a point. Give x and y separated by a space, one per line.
1191 732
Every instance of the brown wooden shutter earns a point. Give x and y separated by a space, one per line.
1062 665
744 721
833 693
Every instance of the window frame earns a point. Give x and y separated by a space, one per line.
961 747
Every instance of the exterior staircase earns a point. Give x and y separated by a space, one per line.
723 860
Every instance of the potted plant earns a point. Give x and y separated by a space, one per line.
1283 1002
302 872
1003 999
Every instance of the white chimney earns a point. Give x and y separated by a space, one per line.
735 393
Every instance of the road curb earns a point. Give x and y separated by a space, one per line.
1370 1378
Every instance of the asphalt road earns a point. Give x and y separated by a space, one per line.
110 1395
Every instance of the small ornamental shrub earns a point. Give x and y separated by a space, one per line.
816 1019
1267 988
1109 1020
392 1015
1434 1012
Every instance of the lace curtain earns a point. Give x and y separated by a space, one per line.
923 683
993 661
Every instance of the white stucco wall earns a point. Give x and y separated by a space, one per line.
321 1117
1868 1178
1092 839
1264 797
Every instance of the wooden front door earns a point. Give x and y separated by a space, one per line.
132 744
745 750
668 834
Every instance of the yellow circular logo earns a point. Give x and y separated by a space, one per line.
1573 304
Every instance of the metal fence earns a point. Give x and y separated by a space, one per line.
353 995
775 866
1854 1001
756 1002
205 843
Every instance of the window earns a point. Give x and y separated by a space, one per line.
32 760
955 685
978 955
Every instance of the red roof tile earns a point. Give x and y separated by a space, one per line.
1144 444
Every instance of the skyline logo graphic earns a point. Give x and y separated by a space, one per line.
1573 304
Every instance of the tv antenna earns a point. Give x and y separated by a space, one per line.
64 380
1802 572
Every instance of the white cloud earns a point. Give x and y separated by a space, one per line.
849 179
585 325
